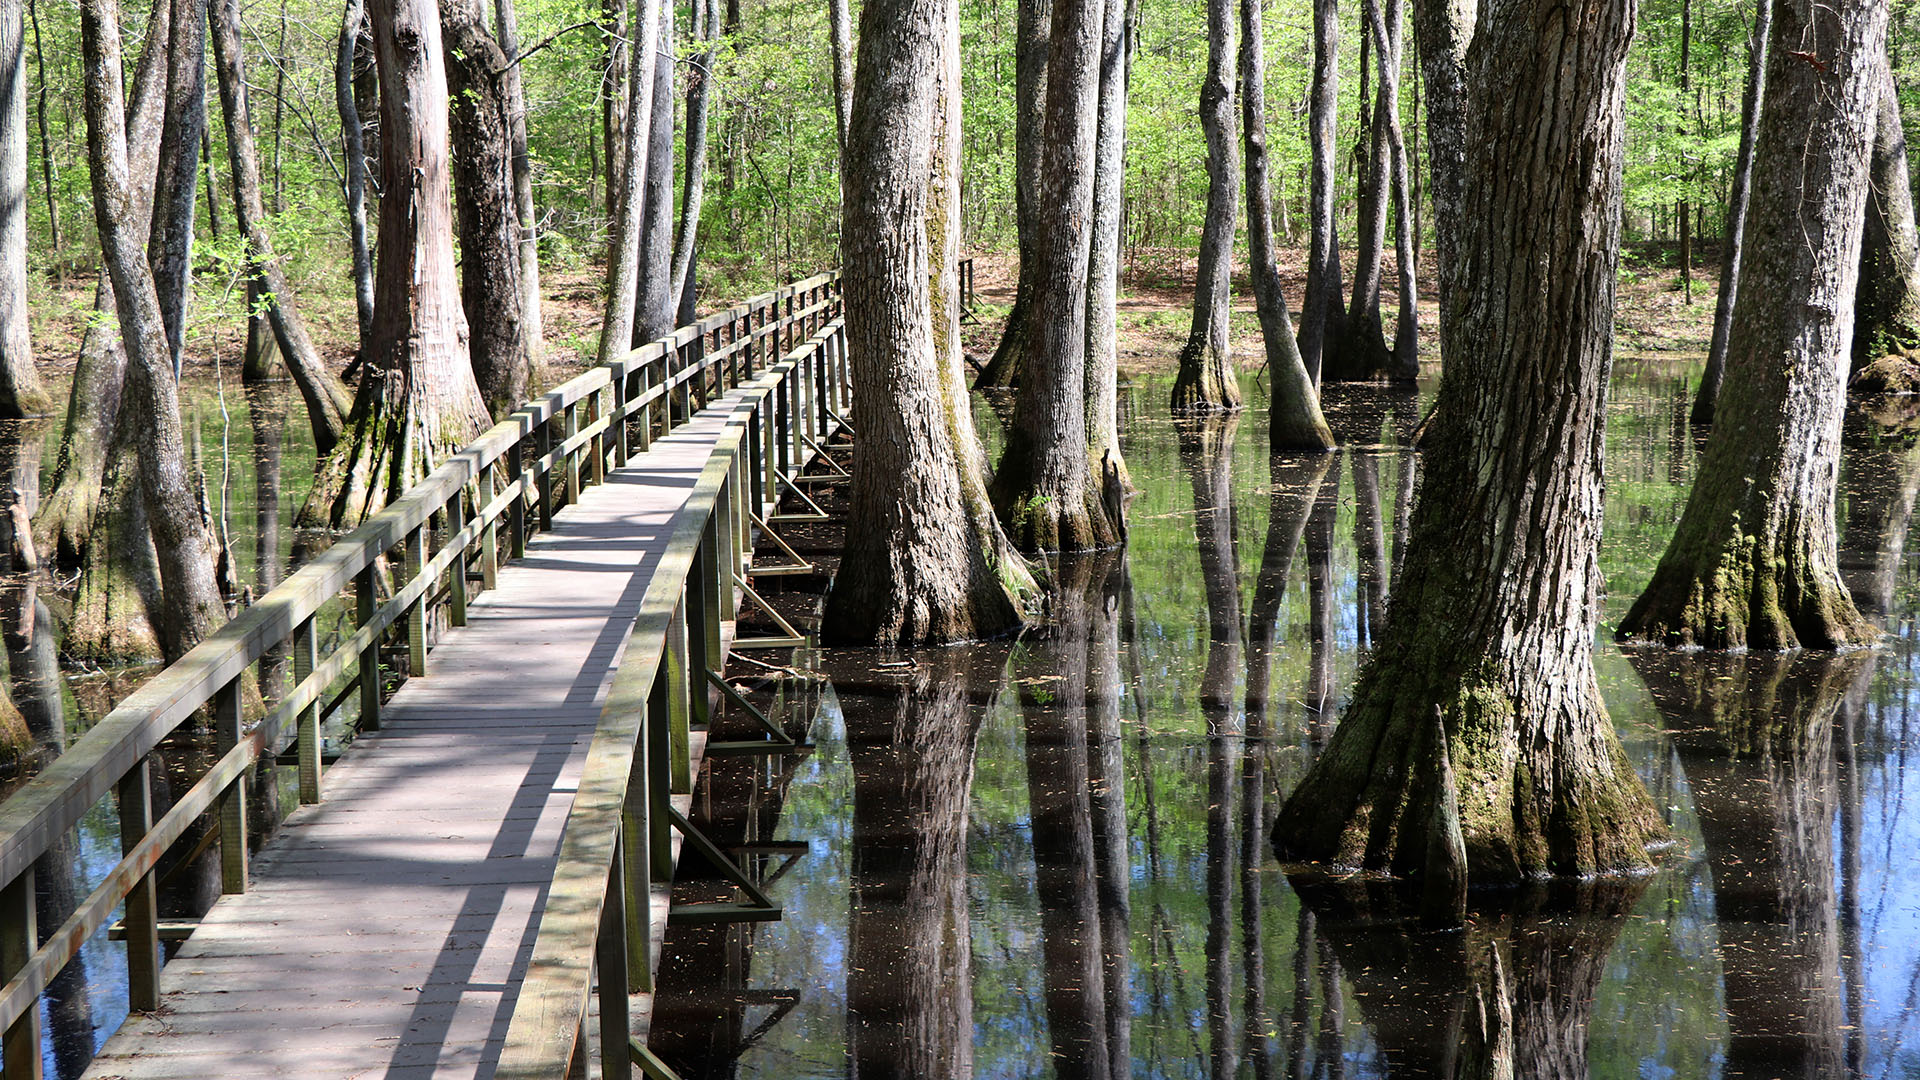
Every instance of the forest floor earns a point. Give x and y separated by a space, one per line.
1155 313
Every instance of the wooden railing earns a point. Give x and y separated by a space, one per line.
782 351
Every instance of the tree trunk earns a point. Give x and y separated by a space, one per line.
693 192
1403 363
93 403
1886 309
170 246
192 606
1752 563
354 151
1103 259
1206 378
417 401
1492 625
47 170
257 356
1044 488
654 296
1294 420
925 559
1684 211
1363 347
1736 232
1322 316
1880 485
1031 50
326 397
613 101
1107 781
21 392
481 126
623 258
840 42
527 217
1443 31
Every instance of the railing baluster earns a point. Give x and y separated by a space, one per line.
611 949
637 824
228 719
571 427
142 908
517 508
366 605
306 657
457 573
490 538
680 711
416 559
543 445
597 473
620 398
19 937
659 739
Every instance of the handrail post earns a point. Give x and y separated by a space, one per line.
365 606
659 739
19 937
637 824
306 657
416 559
517 509
597 471
570 426
228 719
643 433
618 384
142 908
680 657
490 538
457 573
703 623
610 958
543 482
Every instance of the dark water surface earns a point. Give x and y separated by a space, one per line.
1052 857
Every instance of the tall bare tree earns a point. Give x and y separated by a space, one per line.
532 324
1032 46
21 392
175 198
1206 378
354 165
1733 245
623 257
1322 314
655 302
1103 254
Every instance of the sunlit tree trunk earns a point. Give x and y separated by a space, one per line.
1103 258
1206 378
175 197
21 392
417 401
1752 562
1322 315
527 218
654 299
623 258
1443 32
1733 244
354 165
1886 305
1403 362
1492 625
1294 420
700 90
1032 47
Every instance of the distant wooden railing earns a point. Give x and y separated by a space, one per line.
782 348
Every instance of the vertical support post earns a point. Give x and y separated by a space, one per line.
783 423
228 716
598 475
416 559
611 960
617 384
795 397
571 427
637 840
702 630
490 540
517 508
306 657
659 838
643 432
717 555
457 573
542 446
142 909
365 605
19 937
680 714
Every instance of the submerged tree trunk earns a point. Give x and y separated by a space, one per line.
1403 362
481 127
1886 304
655 301
925 559
1033 46
1322 316
191 603
1733 244
1103 259
354 165
1294 420
1363 345
417 401
170 246
326 397
623 257
21 392
1752 563
1443 31
1044 488
1492 625
1206 378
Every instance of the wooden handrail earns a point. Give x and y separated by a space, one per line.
477 491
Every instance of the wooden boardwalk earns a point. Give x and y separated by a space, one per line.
388 926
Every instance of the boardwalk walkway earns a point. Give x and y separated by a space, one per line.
389 926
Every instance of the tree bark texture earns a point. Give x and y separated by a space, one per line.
481 127
1886 305
840 43
93 402
1443 31
354 165
1322 315
1752 563
1033 46
1206 378
1492 625
613 101
326 397
1363 346
1403 361
922 562
1103 257
655 300
1294 420
47 170
623 257
700 90
1734 244
417 401
170 245
1044 489
21 392
527 217
191 603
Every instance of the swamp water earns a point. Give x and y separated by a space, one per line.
1052 857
